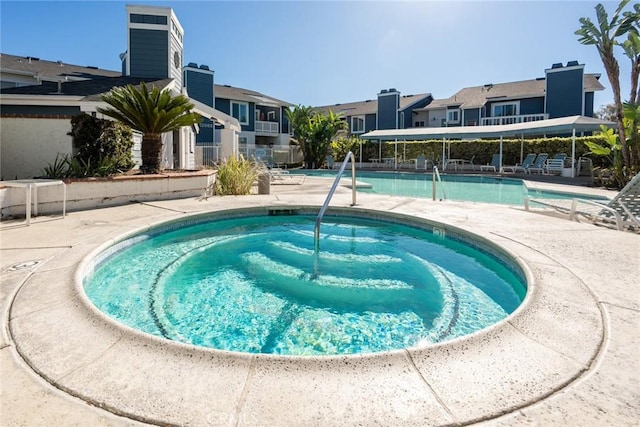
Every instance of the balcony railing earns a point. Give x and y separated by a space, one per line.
267 128
508 120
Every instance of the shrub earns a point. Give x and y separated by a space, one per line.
58 169
102 147
236 177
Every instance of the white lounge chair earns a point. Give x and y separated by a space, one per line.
526 163
539 164
623 210
282 176
495 165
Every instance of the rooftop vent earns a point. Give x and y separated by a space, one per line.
383 91
557 65
59 63
32 58
92 67
572 63
393 89
192 65
204 67
539 78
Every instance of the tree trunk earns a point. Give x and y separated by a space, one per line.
613 72
151 153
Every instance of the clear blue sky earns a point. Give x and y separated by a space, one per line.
325 52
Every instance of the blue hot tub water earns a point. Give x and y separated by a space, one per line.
254 284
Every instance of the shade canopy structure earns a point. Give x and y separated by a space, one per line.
562 125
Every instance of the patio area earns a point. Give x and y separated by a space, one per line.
568 355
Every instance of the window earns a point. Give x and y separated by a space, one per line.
271 116
357 124
257 115
242 140
419 124
137 18
504 109
240 110
453 116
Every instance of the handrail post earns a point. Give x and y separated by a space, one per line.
435 175
433 180
316 230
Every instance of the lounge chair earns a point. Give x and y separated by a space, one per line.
623 210
421 162
282 176
526 163
560 156
495 165
554 166
539 164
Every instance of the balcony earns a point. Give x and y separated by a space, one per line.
508 120
267 128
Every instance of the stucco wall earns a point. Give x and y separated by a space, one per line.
27 146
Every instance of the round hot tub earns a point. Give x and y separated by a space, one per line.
255 281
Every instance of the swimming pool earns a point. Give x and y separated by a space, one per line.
251 282
472 188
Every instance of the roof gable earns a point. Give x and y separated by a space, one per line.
247 95
478 96
370 106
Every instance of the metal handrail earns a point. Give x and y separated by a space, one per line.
437 174
323 209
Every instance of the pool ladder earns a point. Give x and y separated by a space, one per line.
323 209
436 174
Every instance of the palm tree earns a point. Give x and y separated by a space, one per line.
314 132
604 36
152 113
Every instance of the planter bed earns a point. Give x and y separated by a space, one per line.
90 193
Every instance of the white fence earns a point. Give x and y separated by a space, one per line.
209 154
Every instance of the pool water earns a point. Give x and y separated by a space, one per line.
254 284
470 188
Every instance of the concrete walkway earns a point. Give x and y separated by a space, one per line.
567 356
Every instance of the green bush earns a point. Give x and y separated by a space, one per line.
236 177
102 147
341 146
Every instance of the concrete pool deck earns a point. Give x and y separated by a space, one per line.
569 355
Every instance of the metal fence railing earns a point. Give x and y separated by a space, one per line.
209 154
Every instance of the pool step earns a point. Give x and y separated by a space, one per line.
325 290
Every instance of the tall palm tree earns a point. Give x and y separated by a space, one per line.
603 37
152 113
